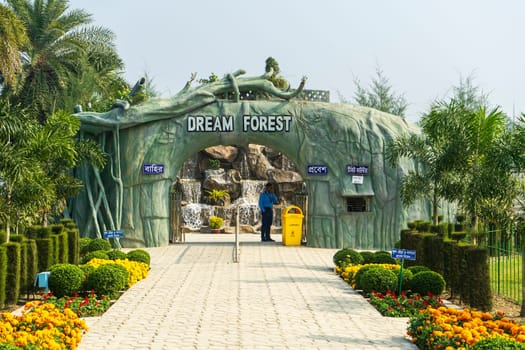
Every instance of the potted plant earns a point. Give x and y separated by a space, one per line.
215 224
217 197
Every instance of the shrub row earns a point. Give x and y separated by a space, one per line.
36 250
464 267
386 275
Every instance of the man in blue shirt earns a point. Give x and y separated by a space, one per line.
266 201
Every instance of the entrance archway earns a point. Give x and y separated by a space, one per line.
354 197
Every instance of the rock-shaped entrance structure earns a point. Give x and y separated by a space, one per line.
339 150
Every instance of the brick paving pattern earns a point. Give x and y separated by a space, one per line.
276 297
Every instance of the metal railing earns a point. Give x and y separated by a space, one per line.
505 263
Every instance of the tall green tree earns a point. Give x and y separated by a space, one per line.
63 51
380 95
13 38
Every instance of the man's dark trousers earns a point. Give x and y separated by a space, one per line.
267 219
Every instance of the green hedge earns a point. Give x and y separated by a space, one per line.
74 246
57 228
45 253
55 249
63 248
23 266
464 267
69 224
13 272
3 274
31 262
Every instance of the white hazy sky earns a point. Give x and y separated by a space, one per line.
423 47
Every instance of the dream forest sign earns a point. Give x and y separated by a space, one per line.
250 123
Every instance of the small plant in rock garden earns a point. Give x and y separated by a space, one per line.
216 222
90 305
402 305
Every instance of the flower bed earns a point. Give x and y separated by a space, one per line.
137 270
449 328
42 326
403 305
87 306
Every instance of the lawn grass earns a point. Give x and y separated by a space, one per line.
506 276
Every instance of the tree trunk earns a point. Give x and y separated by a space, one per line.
435 205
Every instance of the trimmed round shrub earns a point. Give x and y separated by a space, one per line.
379 279
108 279
98 244
87 270
84 245
497 343
367 257
139 255
347 256
359 274
116 254
428 281
407 279
383 257
418 268
65 279
100 254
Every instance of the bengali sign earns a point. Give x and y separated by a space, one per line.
317 169
153 169
357 169
404 254
113 234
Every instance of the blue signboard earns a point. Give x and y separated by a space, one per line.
404 254
317 169
357 169
113 234
153 169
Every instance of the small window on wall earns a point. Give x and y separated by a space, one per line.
357 204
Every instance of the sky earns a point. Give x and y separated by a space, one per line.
422 47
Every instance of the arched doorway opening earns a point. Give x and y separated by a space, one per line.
225 182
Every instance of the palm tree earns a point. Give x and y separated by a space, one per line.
62 49
13 38
435 154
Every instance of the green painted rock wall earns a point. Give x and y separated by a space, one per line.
120 196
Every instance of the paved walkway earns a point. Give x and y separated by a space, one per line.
277 297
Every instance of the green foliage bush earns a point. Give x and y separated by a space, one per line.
63 248
116 254
84 245
69 224
73 240
98 244
359 275
3 274
423 226
56 229
497 343
379 279
87 270
139 255
108 279
44 232
407 279
17 238
418 268
99 254
347 256
45 253
382 257
23 264
3 236
13 272
428 281
55 241
65 279
31 261
367 257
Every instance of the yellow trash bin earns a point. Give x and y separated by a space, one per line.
292 225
